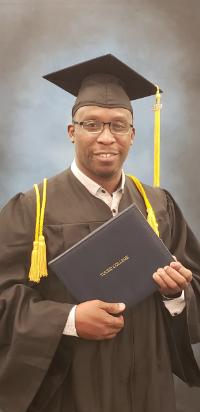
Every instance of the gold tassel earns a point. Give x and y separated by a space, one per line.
157 108
34 275
42 259
34 269
151 217
38 258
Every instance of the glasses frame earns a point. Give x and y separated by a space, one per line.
102 127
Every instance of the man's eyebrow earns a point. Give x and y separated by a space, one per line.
120 118
99 118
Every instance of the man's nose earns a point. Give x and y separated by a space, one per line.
106 137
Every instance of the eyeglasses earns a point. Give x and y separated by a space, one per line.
97 127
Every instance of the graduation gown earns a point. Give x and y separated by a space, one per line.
43 370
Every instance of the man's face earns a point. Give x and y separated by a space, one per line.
101 155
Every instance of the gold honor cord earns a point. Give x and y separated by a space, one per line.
151 218
38 267
157 108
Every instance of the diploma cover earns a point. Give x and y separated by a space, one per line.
115 262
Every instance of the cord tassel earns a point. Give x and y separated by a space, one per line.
38 267
34 269
42 260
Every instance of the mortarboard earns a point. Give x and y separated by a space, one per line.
104 81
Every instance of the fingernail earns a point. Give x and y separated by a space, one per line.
159 270
121 306
176 264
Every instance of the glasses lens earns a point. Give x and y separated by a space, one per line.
119 127
92 126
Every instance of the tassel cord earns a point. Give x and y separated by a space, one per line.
157 108
44 197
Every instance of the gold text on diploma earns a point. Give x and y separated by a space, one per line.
114 266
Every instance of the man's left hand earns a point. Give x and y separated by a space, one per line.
172 279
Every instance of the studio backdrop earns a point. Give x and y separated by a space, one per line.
158 39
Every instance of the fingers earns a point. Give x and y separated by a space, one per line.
93 320
114 323
173 278
186 273
164 280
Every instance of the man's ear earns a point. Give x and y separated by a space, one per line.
133 135
70 129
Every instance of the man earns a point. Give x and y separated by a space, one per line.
55 355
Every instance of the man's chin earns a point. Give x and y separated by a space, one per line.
106 173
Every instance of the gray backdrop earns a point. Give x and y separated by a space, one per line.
161 41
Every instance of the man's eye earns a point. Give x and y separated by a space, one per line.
91 124
119 125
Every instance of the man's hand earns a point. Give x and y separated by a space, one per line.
172 279
94 319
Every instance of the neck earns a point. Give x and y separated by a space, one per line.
110 184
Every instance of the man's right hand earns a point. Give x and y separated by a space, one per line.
94 319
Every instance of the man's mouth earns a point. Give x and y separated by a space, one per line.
104 155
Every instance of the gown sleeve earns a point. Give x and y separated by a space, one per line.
184 329
30 327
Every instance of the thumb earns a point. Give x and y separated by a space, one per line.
113 307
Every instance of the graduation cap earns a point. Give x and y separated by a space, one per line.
104 81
